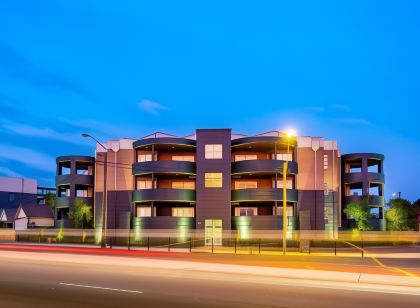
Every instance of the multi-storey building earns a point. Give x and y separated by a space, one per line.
213 179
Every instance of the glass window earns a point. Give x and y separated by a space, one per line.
144 211
289 211
144 184
289 183
213 151
213 179
183 158
325 162
245 185
287 157
81 193
246 157
183 185
183 212
144 157
246 211
12 197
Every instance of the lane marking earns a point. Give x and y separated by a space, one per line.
100 288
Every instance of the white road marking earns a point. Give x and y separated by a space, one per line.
101 288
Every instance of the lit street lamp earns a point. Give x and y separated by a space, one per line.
104 197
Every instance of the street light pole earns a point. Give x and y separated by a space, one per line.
104 197
285 167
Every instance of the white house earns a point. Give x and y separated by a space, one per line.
7 218
34 216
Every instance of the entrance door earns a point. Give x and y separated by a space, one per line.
213 232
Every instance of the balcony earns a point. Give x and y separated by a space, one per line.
263 166
164 194
164 166
82 179
263 222
358 177
68 201
373 200
163 222
264 194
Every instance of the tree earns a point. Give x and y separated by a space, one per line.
50 200
413 211
360 211
397 214
81 213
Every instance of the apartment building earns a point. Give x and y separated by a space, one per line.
211 179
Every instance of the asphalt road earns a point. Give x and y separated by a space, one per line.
35 283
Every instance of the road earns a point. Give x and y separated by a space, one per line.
40 279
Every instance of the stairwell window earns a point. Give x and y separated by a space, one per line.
213 180
213 151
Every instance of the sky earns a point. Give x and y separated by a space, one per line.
343 70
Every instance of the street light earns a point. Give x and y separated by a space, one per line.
104 197
289 133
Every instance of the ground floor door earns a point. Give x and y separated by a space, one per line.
213 232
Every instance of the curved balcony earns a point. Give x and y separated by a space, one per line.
358 177
354 156
264 194
62 202
373 200
164 194
265 222
281 140
81 158
74 179
263 166
164 166
163 222
164 140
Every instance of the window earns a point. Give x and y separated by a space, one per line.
213 179
246 157
325 162
183 158
63 192
12 197
144 157
183 212
144 184
144 211
245 185
246 211
81 193
289 211
213 151
326 190
183 185
289 183
287 157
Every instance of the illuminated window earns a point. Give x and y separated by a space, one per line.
287 157
213 179
144 211
289 183
183 212
326 191
246 211
246 157
289 211
183 185
144 157
183 158
325 162
245 185
144 184
213 151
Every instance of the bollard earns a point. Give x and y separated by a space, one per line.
190 244
309 248
362 249
169 244
235 245
129 241
148 243
335 248
259 246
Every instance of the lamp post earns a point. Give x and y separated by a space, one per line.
289 135
104 197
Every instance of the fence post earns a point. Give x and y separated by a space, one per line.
335 248
190 244
148 243
212 243
309 248
129 240
235 245
259 246
362 249
169 244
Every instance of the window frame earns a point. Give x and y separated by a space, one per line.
208 179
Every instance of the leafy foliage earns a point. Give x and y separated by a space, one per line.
397 215
50 200
81 214
360 211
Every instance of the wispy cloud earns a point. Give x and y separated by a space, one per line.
340 107
354 121
28 157
315 108
10 173
17 66
152 107
42 132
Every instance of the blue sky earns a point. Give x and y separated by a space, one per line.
346 70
